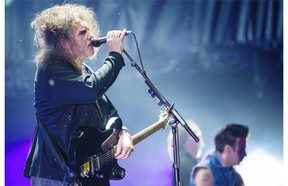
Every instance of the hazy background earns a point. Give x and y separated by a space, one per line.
218 61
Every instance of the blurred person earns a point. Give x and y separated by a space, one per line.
217 167
190 151
70 100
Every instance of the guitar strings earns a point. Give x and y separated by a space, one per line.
109 155
104 158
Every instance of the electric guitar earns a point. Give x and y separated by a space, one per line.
102 164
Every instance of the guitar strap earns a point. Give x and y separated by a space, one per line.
57 155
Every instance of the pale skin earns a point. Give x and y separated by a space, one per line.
79 48
229 157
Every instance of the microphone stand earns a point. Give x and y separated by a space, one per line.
176 119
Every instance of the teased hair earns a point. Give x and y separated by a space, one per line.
52 25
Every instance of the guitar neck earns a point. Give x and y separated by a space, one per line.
148 131
143 134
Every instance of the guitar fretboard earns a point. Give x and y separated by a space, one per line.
148 131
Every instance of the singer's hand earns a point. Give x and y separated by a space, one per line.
115 40
125 145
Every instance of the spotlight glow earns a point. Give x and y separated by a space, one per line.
261 168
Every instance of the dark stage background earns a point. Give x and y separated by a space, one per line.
218 61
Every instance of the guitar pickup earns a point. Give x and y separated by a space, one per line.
85 169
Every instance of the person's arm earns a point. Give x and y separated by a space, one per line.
69 87
203 177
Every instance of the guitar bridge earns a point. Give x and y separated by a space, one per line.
92 168
89 167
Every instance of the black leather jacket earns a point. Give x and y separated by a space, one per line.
66 100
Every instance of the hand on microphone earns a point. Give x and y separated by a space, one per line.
115 40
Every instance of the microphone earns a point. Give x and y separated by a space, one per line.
102 40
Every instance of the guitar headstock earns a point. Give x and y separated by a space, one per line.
164 117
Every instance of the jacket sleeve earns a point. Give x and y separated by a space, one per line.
68 86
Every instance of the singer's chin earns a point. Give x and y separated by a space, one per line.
93 54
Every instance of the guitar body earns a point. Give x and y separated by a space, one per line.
93 151
95 155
